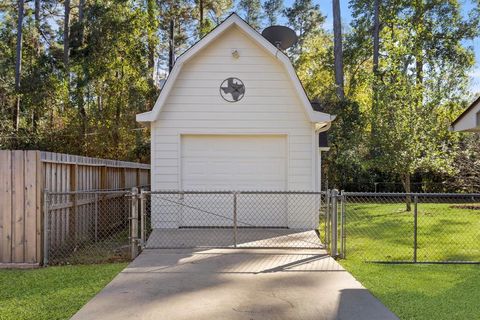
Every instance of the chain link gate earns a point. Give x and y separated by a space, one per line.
105 226
228 219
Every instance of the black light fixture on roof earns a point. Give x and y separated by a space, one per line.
280 36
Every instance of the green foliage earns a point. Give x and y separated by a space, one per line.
306 19
213 11
272 9
390 126
252 9
117 52
466 165
51 293
421 84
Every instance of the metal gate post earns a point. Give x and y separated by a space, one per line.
96 217
46 228
342 227
415 227
142 218
234 219
334 243
134 223
327 218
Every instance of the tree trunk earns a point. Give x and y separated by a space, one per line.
338 51
37 46
200 8
18 65
376 58
37 26
151 37
81 108
418 21
408 189
171 53
151 44
81 75
66 36
81 19
376 36
81 10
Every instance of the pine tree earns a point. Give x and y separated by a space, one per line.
252 12
272 11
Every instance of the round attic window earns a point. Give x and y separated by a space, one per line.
232 89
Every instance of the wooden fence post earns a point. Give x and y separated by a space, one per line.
73 198
5 206
137 177
103 178
123 177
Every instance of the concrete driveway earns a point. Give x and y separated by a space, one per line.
234 284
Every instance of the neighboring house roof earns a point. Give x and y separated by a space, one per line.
234 19
468 120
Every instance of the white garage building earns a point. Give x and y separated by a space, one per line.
233 115
469 120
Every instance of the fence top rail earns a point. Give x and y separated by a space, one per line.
103 191
52 157
232 192
411 194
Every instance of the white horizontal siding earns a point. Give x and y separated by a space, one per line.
246 75
469 121
269 84
217 100
199 115
270 106
251 92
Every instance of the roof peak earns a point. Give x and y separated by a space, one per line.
234 19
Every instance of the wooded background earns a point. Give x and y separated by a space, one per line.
73 74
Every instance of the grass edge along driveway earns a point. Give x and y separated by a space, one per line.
53 292
427 291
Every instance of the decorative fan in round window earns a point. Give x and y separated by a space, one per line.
232 89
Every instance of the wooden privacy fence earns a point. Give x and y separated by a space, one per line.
25 174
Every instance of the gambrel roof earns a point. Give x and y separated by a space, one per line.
321 118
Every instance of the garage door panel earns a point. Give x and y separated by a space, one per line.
262 210
207 210
231 162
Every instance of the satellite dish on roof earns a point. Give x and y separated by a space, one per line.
280 36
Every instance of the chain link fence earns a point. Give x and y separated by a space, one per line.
415 227
234 219
105 226
87 227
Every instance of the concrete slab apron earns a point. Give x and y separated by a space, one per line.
234 284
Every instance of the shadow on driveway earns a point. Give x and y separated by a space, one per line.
234 284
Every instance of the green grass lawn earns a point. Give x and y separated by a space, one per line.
384 232
423 292
446 232
53 292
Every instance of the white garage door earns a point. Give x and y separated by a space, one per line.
233 162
